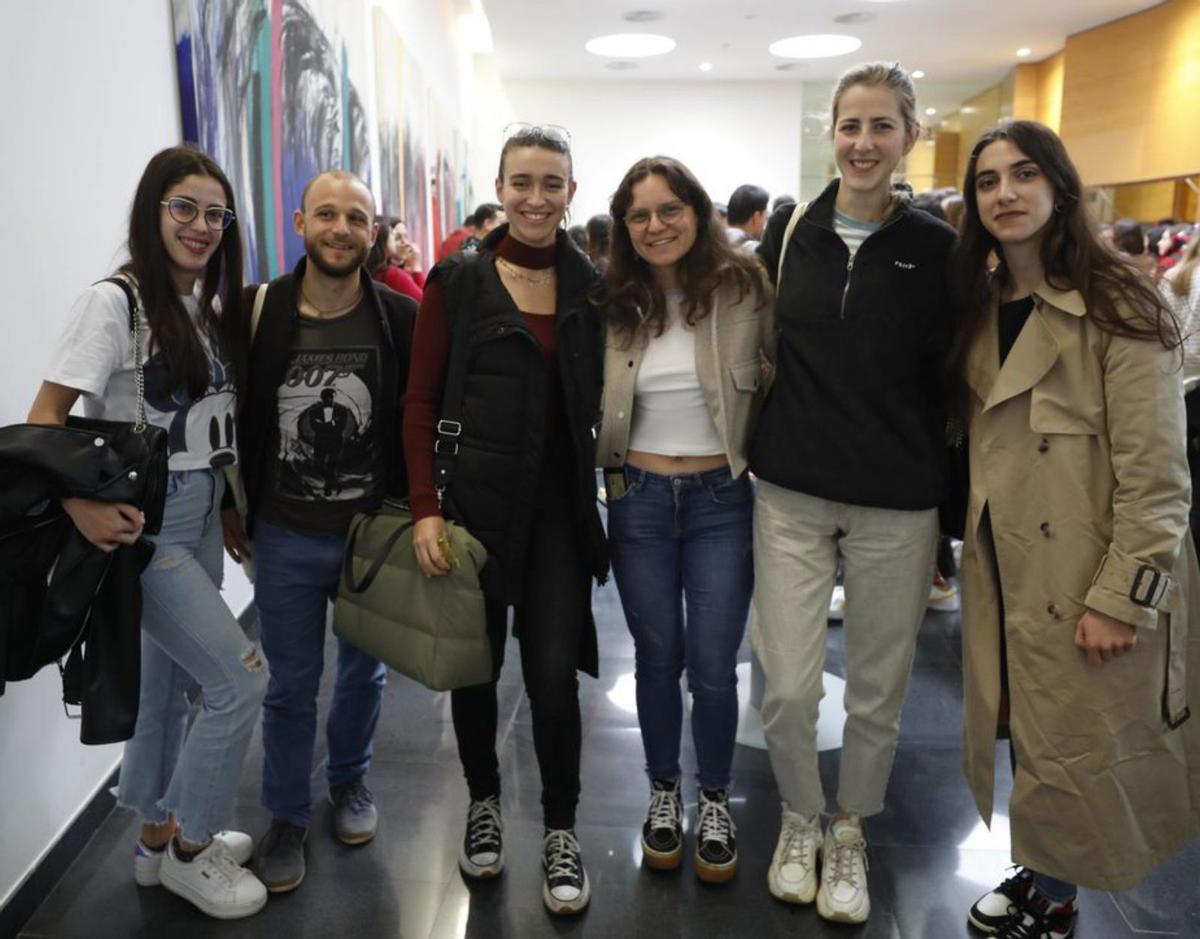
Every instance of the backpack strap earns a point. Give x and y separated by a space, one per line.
256 313
797 214
460 304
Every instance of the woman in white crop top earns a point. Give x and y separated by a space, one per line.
687 330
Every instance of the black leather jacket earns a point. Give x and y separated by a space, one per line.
59 594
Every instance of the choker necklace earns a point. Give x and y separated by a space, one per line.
537 278
337 309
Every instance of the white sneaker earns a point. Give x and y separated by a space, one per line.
213 882
944 599
837 603
147 862
793 873
843 896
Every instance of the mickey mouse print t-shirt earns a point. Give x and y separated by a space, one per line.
323 460
95 357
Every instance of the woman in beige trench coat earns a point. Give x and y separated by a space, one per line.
1077 567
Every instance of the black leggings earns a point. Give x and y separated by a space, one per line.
550 619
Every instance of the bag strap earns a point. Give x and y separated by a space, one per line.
797 214
376 565
460 302
256 314
135 327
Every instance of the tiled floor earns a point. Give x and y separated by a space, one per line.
930 857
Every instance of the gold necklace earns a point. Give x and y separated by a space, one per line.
337 309
537 278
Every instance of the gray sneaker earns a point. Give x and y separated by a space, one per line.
279 862
354 816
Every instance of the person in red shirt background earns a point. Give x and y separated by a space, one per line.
396 261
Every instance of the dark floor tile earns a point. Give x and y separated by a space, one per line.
1168 900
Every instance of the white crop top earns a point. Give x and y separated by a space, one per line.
670 415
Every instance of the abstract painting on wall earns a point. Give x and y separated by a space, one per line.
271 90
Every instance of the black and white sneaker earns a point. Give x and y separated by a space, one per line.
662 833
482 853
565 887
993 910
1041 919
716 847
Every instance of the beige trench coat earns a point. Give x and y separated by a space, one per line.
1077 451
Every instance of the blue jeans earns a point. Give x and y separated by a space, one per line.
189 636
296 577
676 542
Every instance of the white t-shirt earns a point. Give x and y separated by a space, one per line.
95 356
670 415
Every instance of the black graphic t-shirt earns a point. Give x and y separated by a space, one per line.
324 461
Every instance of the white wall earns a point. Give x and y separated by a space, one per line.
727 133
90 97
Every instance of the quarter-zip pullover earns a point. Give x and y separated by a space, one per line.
856 413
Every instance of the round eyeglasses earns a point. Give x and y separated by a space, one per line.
184 210
668 213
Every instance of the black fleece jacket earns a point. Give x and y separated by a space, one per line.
856 413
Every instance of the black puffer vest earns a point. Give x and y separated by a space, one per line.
495 476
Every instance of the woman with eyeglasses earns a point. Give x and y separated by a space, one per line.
687 328
185 271
850 461
522 482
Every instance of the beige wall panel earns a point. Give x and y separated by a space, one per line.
1131 96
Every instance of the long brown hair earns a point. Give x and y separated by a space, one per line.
633 300
172 334
1118 298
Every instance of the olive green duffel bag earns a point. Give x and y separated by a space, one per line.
432 629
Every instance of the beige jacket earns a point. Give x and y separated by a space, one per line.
1077 452
731 341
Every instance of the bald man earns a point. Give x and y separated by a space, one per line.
319 440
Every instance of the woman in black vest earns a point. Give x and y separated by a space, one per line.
522 482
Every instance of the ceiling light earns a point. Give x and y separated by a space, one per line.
706 66
931 111
630 45
854 18
642 16
814 47
1024 52
917 73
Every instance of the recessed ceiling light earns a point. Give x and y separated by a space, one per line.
642 16
630 45
814 47
706 66
1024 52
917 73
931 111
854 18
620 66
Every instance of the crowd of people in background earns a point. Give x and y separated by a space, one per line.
775 395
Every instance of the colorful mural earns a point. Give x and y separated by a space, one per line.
277 91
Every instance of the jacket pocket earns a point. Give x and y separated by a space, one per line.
748 376
1051 412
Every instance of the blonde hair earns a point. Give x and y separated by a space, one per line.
891 76
1181 277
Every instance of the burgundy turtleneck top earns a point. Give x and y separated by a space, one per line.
431 359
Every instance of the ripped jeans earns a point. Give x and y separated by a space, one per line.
190 637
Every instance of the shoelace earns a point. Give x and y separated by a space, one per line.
715 823
845 855
221 863
561 849
356 796
484 823
664 808
799 844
